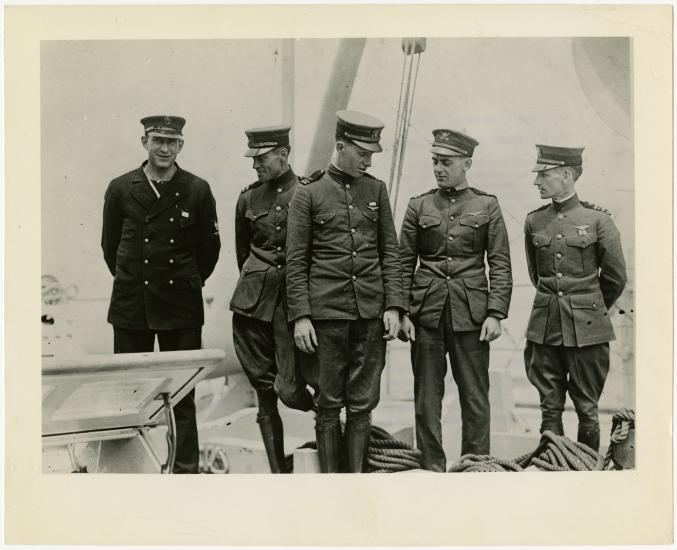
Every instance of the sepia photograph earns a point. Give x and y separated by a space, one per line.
345 254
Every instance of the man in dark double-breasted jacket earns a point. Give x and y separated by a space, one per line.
160 241
344 286
263 338
451 308
576 263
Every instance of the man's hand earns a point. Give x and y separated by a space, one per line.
407 330
304 335
491 329
391 322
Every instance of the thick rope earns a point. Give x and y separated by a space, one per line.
623 421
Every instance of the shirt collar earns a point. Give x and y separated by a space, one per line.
338 175
453 192
567 204
283 181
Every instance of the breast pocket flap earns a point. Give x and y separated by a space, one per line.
587 301
477 220
426 221
323 217
253 215
540 239
582 241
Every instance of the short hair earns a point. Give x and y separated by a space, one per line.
576 171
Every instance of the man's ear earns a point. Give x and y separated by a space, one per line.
180 146
339 146
144 142
467 164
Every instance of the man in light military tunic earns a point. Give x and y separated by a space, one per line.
262 337
454 232
576 264
344 286
160 240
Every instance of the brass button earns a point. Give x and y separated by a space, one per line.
424 226
559 235
354 253
279 190
452 218
171 219
279 266
594 306
560 294
558 256
171 282
449 258
145 282
448 278
278 208
560 217
171 260
145 240
559 275
350 207
453 200
321 222
347 186
353 230
451 238
477 225
145 261
279 248
354 277
278 228
171 241
177 193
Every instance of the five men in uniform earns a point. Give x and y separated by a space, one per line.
323 285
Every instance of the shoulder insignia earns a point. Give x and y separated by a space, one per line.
316 175
539 208
480 192
251 186
425 193
595 207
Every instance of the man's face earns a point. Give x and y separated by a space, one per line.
450 170
162 151
353 160
552 183
270 165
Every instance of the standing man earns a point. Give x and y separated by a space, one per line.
160 241
263 339
576 264
344 287
451 309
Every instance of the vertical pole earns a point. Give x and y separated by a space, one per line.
336 97
284 80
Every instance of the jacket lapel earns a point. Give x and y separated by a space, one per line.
141 191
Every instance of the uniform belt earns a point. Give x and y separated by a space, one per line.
457 276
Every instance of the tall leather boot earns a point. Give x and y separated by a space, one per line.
328 434
589 435
278 443
358 432
271 443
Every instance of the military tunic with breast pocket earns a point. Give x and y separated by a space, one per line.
449 232
576 263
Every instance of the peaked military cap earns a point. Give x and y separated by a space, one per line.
163 126
552 157
363 130
452 143
264 139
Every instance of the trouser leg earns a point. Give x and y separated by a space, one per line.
187 443
290 384
132 341
470 369
547 373
588 368
429 363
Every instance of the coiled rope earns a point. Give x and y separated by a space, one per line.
621 424
386 454
555 453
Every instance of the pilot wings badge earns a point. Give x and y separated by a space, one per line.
372 206
582 229
474 213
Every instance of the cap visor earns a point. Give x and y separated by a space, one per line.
445 151
369 146
543 167
256 152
